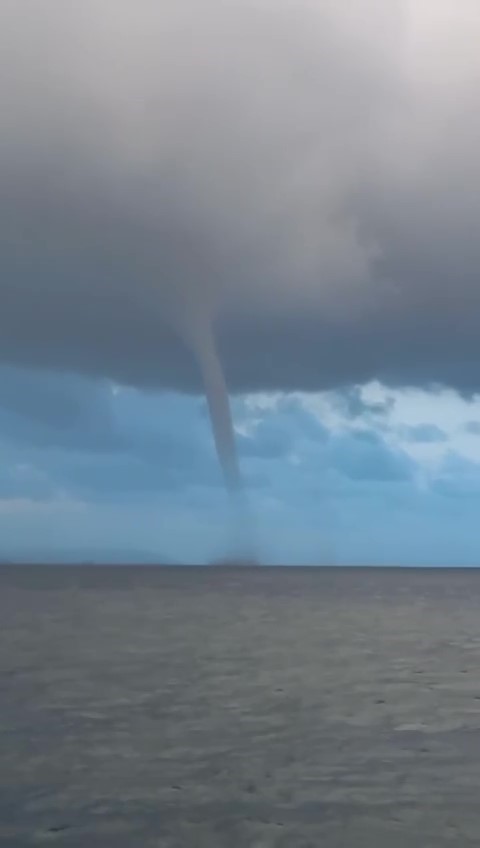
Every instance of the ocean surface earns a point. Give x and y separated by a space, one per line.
218 707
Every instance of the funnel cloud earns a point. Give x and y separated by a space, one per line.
220 413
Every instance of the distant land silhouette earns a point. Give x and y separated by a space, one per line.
86 556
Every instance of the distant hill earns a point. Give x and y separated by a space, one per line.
86 556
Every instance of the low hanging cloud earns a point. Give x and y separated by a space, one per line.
304 172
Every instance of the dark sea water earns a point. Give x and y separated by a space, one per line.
224 707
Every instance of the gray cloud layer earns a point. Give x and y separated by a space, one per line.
305 171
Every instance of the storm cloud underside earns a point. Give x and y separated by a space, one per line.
303 175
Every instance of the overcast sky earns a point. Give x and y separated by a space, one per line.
305 176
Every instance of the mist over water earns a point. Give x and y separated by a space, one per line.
242 544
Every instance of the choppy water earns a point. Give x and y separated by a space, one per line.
229 707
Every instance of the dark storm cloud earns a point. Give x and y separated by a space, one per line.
306 172
56 409
108 447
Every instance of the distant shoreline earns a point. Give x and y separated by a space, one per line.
21 564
